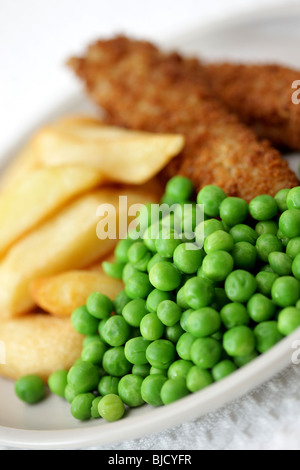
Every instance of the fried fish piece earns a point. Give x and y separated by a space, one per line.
262 97
141 87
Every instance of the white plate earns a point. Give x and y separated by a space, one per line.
267 36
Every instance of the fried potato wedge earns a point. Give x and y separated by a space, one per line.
68 240
61 294
22 164
24 204
38 344
134 159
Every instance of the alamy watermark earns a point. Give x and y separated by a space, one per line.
150 221
296 94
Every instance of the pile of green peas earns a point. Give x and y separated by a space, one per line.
195 306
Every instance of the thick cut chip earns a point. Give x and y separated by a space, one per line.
31 200
60 295
37 344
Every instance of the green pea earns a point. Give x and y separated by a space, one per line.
30 389
260 308
165 245
168 312
164 276
284 240
183 346
155 370
70 393
197 379
233 211
265 281
198 292
296 266
220 299
281 263
150 235
234 314
114 269
285 291
240 285
243 233
289 223
93 352
293 198
288 320
151 327
223 369
241 361
188 258
138 286
151 389
81 406
115 331
108 384
83 322
217 265
266 226
57 382
266 335
180 298
161 353
111 408
205 352
172 390
99 305
211 197
155 298
139 256
121 250
174 332
129 390
203 322
155 259
239 341
281 199
120 301
179 368
263 207
266 244
206 228
179 189
244 255
134 311
293 247
115 362
141 369
83 377
90 339
218 241
135 350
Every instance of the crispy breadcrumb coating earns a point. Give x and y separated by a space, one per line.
142 87
261 95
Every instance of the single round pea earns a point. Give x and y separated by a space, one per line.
243 233
293 198
165 245
164 276
293 247
244 255
111 407
180 298
141 369
151 388
285 291
168 312
284 240
108 384
281 199
217 265
129 390
240 285
155 370
266 335
281 263
288 320
265 281
266 244
184 318
233 211
173 389
114 270
156 259
197 379
188 258
135 350
296 266
128 271
203 322
115 362
99 305
211 197
241 361
205 352
179 368
93 352
260 308
83 377
134 311
138 286
218 241
198 292
174 332
83 322
116 331
155 298
234 314
220 299
266 226
120 301
70 393
81 406
151 327
263 207
206 228
223 369
90 339
183 346
179 189
239 341
121 250
289 223
161 353
30 389
94 408
57 382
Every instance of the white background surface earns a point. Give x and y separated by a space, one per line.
36 37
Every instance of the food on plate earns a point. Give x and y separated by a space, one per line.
38 344
261 95
54 187
61 294
142 88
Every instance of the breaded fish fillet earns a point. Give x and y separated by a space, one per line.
141 87
261 95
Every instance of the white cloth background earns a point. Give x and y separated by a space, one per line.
35 40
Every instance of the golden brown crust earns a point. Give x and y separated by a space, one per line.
261 95
141 87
